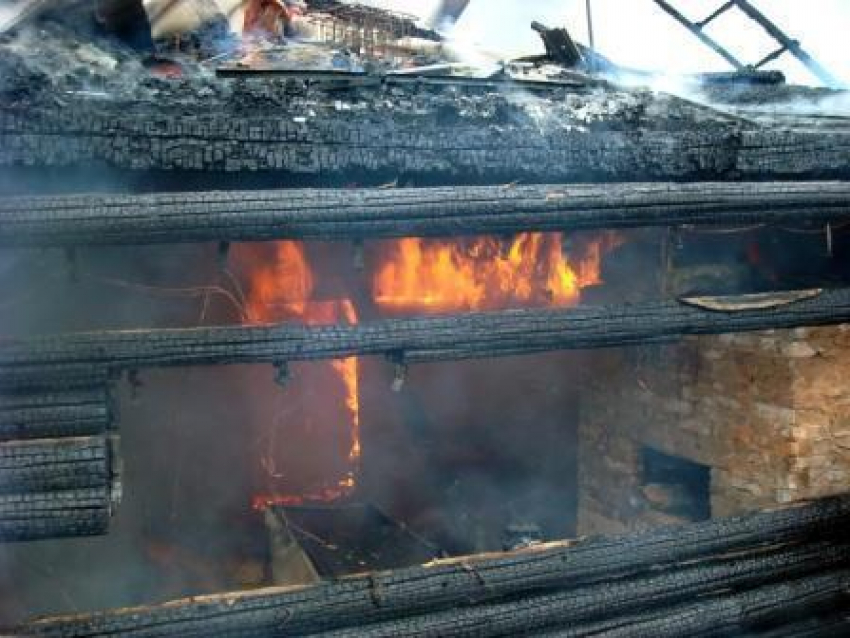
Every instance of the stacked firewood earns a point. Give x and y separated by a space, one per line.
58 469
781 573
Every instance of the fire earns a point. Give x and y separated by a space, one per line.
530 269
282 288
424 275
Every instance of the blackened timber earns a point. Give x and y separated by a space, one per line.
37 415
732 615
373 135
63 513
335 214
614 598
447 584
450 337
56 378
47 465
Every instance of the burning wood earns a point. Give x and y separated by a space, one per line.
282 289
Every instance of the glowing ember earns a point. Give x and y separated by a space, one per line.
486 273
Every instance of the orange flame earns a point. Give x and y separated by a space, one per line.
281 286
281 289
426 275
530 269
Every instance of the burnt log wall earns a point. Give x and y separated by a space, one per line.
59 466
785 567
408 132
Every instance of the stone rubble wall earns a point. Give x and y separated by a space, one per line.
768 412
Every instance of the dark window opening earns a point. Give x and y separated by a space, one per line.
675 485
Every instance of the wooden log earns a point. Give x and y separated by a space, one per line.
334 214
830 625
473 335
40 515
87 411
444 585
460 133
733 615
73 376
50 465
575 607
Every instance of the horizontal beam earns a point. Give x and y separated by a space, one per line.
629 599
59 514
459 583
334 214
42 415
416 133
49 465
450 337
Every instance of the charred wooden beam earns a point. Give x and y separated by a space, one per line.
829 625
450 337
51 465
612 599
376 134
735 614
29 415
55 378
40 515
447 584
335 214
58 487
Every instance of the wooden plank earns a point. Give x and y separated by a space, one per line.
337 214
446 585
448 337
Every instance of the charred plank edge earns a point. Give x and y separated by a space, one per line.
338 214
449 337
440 585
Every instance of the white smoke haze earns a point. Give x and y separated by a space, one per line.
638 34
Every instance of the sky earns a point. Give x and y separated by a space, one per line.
636 33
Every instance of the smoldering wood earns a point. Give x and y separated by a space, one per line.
731 615
574 607
41 515
449 133
445 585
335 214
36 415
47 465
446 337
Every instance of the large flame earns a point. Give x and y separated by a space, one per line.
421 275
281 289
530 269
